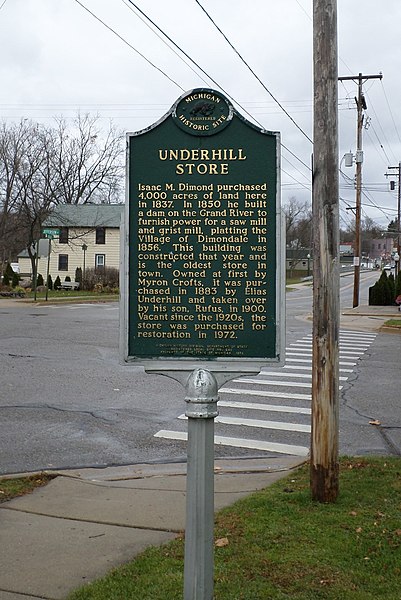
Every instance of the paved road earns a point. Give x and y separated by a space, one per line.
67 402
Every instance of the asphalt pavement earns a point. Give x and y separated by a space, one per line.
85 522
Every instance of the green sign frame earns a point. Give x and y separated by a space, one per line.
203 270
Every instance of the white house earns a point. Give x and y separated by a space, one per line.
89 237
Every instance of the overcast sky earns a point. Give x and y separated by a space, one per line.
56 59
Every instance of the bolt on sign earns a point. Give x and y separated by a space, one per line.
203 259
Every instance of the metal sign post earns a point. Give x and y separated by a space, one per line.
201 396
48 268
202 283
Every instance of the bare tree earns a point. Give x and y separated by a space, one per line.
21 159
298 222
41 167
87 166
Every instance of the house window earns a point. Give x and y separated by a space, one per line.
63 262
63 237
100 261
100 235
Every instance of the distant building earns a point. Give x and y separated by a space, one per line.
346 248
299 259
89 238
381 248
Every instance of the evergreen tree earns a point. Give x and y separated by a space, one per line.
15 280
398 285
57 283
39 280
78 275
9 271
391 282
385 290
49 282
380 294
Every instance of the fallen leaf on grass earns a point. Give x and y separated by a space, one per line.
221 542
326 581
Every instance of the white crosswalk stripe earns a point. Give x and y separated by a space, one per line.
266 407
309 368
241 443
265 394
234 415
81 305
290 359
283 425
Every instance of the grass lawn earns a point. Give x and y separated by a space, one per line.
393 323
11 488
72 295
279 544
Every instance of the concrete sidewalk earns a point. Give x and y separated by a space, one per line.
83 523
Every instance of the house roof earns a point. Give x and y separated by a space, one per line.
23 254
85 215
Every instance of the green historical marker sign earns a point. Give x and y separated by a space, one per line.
204 268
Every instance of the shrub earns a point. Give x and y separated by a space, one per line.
57 283
101 278
49 282
67 278
6 278
39 280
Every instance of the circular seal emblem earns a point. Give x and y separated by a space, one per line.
202 112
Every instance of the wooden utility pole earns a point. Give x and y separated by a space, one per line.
325 388
361 106
397 264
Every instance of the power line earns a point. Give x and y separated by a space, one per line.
382 150
163 41
210 77
382 130
253 73
296 180
391 113
129 45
